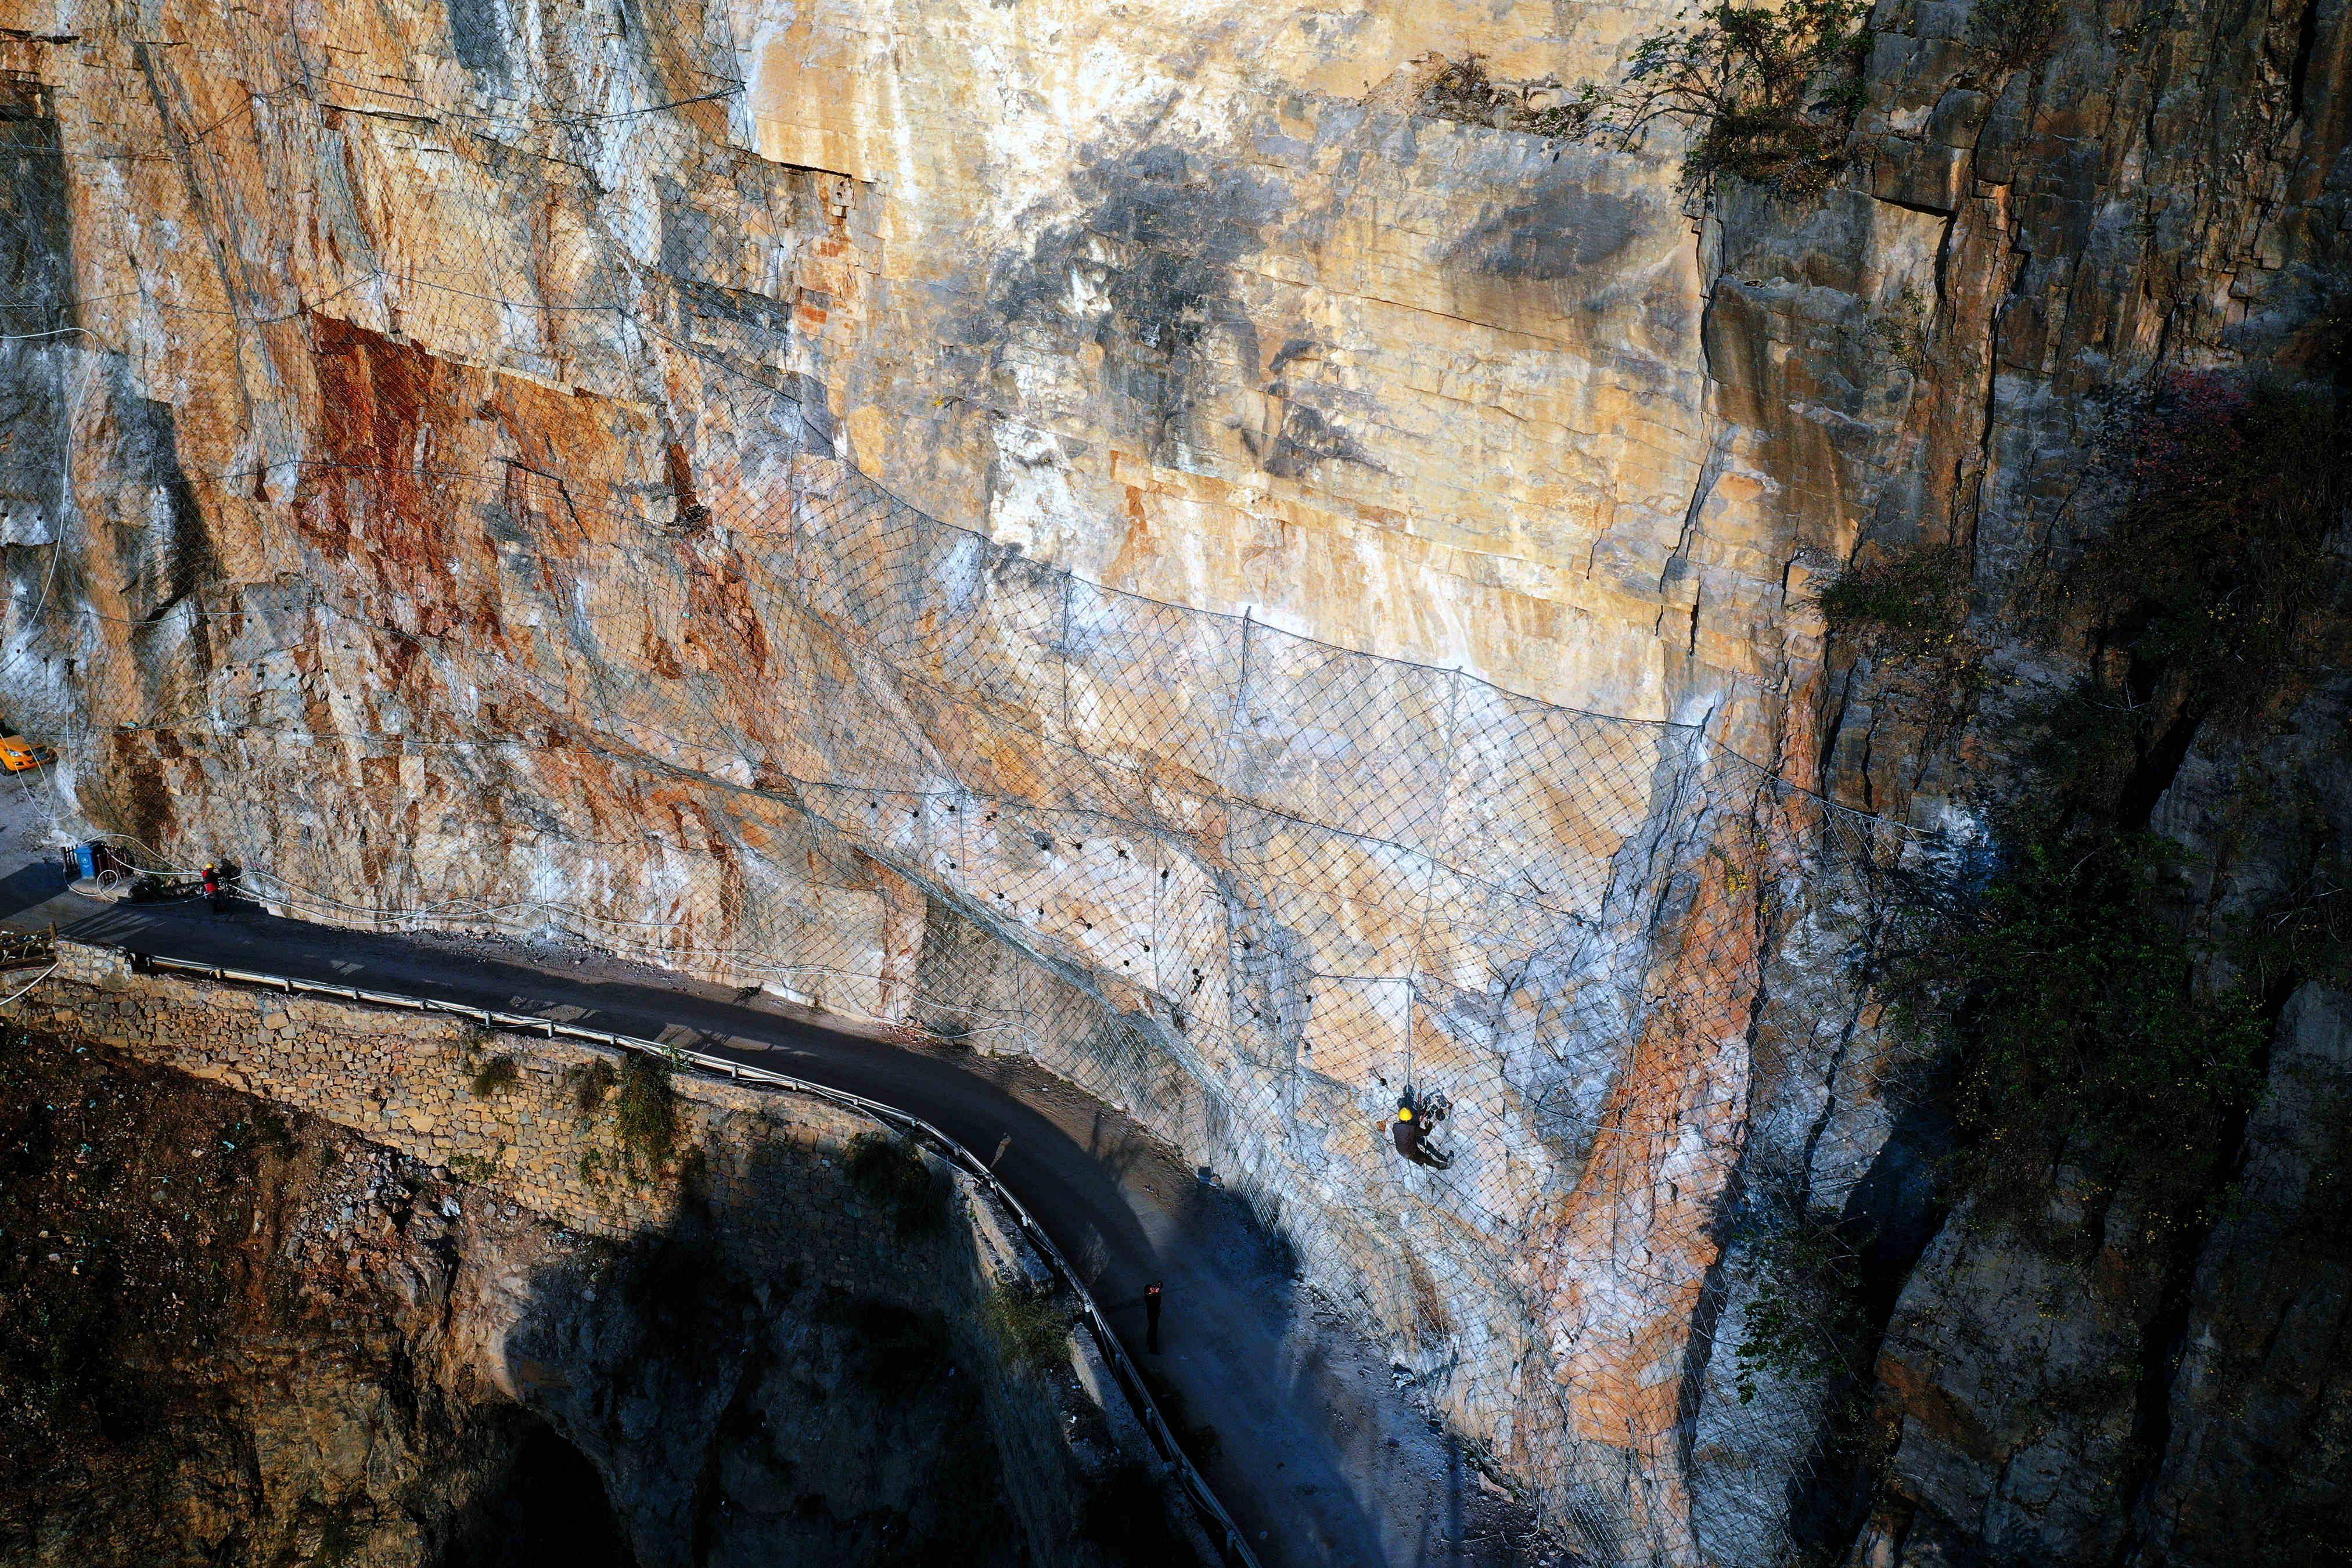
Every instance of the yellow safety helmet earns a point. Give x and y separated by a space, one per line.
1404 1113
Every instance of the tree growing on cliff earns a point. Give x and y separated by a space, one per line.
1910 601
2094 1032
2103 1021
1804 1319
2213 584
2018 32
1768 93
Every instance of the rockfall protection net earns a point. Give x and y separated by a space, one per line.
494 568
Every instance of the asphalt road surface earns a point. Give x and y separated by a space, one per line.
1318 1455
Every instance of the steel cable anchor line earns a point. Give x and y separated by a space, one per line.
1218 1524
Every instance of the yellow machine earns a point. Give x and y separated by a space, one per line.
19 756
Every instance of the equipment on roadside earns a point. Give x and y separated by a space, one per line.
98 870
88 862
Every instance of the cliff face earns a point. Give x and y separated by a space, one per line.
1112 532
508 548
238 1335
2100 1372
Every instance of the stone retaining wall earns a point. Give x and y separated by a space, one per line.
405 1080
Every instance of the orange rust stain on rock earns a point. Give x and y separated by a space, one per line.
691 513
1919 1395
1640 1210
132 791
721 623
377 500
407 457
661 659
395 655
1138 550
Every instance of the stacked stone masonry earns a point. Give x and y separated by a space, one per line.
405 1080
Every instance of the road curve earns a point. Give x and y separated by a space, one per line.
1316 1456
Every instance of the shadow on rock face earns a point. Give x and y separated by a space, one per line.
1555 234
773 1382
546 1505
229 1328
1146 275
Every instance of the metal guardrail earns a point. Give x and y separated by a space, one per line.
1218 1523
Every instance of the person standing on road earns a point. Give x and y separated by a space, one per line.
1151 1317
212 887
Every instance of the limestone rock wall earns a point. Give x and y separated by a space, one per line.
2144 191
776 503
1101 528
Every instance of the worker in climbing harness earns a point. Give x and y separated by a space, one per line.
212 886
1416 1119
1407 1129
1151 1317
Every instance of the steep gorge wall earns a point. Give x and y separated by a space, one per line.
517 465
2146 193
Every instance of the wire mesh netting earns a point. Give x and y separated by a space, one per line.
497 569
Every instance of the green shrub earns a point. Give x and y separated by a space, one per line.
1769 92
342 1536
474 1168
2213 576
2073 988
2207 596
2302 933
495 1077
1901 327
644 1113
590 1082
2017 31
894 1174
1463 91
1029 1325
2095 1021
1912 600
1806 1319
273 1132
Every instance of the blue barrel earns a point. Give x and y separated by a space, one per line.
86 856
